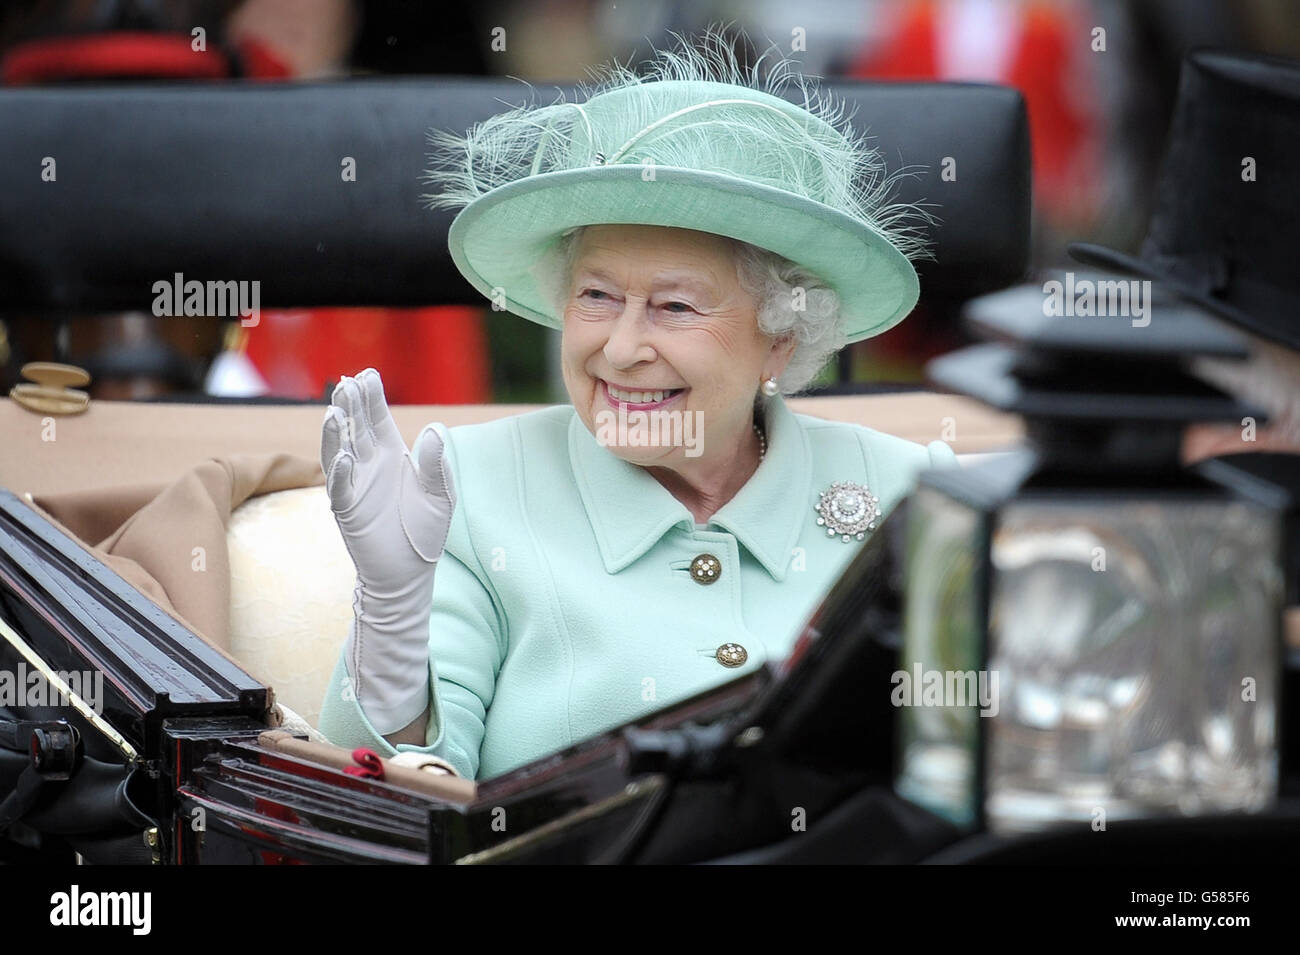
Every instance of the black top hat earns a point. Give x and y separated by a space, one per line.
1226 224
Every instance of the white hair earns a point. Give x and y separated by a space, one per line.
1270 378
777 286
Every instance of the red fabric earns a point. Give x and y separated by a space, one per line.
260 61
369 765
434 355
1048 65
908 53
141 55
1063 140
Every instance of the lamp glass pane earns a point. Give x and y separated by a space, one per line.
1137 649
942 648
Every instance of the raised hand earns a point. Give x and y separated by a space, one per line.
394 513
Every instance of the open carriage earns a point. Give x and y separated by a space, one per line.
183 558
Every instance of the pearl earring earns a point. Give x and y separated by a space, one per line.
770 387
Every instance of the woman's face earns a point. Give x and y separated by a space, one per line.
656 321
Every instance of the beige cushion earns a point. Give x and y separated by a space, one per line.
291 581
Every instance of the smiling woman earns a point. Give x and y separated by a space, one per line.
789 300
656 321
704 246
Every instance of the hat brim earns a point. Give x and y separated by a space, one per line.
498 238
1099 255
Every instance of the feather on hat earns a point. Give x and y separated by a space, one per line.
696 142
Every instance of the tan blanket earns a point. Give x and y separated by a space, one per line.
169 541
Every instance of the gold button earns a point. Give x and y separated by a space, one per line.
732 655
705 569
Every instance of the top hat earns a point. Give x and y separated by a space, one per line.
695 145
1226 220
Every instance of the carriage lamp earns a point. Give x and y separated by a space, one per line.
1091 632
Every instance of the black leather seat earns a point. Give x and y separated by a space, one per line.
243 181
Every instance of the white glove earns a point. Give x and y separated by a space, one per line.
394 514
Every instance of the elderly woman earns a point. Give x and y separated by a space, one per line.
705 247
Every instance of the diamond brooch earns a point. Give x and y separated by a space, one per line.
847 509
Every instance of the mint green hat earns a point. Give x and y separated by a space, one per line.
694 144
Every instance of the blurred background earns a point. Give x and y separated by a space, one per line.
1098 121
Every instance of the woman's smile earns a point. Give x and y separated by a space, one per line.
639 399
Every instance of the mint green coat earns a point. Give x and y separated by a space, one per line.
564 604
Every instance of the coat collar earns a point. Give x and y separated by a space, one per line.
630 511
